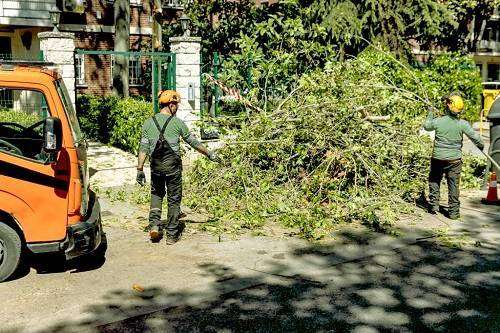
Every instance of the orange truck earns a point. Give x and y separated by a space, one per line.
46 205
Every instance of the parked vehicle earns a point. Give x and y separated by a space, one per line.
46 205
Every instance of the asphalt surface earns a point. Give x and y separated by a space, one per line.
358 282
367 284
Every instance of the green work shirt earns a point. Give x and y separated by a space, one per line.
175 129
449 136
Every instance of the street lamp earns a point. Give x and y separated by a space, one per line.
55 16
185 23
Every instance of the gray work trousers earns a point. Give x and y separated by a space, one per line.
171 185
451 170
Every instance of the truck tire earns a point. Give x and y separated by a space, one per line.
10 251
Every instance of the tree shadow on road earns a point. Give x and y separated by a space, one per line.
360 286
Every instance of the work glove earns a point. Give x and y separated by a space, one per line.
212 156
430 106
141 177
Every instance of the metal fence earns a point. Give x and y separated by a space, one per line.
22 56
211 93
151 71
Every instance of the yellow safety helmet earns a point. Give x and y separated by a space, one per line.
455 103
169 96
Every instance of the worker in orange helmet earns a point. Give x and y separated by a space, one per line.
447 153
160 141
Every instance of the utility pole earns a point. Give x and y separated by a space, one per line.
122 44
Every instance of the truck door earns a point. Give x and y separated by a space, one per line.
25 174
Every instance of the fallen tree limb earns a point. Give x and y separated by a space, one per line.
377 118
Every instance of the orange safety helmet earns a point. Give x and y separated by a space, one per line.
456 104
168 96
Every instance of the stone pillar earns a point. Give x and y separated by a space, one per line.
59 48
187 51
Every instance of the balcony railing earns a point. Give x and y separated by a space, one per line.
489 45
172 4
17 11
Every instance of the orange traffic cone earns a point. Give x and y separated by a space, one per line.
492 196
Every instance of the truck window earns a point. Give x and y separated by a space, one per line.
70 111
22 116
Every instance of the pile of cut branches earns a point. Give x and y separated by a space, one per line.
318 158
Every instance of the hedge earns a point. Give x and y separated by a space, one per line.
114 121
19 117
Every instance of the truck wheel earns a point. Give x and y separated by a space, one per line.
10 251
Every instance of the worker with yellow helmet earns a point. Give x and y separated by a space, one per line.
160 141
447 153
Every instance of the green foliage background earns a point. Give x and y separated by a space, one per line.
347 25
265 50
449 72
114 121
440 75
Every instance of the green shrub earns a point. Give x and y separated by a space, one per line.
450 72
112 120
19 117
127 119
473 171
94 116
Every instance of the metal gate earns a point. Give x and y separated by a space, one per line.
162 68
211 94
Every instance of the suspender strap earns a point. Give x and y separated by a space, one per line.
162 130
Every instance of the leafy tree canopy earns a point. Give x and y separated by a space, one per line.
348 24
395 23
276 45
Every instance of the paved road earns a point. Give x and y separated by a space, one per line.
365 285
361 282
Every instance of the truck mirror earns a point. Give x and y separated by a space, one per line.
52 134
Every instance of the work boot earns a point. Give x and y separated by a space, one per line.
155 234
432 209
171 240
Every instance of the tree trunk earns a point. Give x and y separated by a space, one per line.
122 43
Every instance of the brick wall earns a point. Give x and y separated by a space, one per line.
100 14
139 14
98 67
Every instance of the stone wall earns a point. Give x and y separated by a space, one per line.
59 47
187 51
